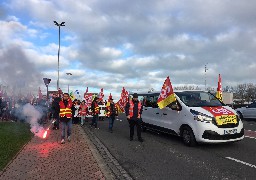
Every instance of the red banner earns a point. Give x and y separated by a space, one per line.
222 115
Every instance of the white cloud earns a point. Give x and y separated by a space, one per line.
118 43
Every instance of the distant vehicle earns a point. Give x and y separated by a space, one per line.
248 112
198 116
102 111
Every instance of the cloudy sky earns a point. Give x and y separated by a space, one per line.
135 44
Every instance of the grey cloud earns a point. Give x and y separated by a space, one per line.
17 72
175 38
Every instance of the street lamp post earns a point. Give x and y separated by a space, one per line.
47 82
68 84
59 25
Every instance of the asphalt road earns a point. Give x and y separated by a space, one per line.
163 156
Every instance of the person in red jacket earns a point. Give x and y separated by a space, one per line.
133 111
65 117
83 111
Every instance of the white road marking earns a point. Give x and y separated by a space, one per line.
242 162
250 137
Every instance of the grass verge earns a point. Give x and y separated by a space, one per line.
13 136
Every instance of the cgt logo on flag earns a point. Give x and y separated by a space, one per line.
167 95
165 91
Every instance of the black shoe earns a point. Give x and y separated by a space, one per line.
141 140
131 138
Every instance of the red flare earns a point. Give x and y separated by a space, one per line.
45 134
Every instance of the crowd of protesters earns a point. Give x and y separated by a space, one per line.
11 108
67 112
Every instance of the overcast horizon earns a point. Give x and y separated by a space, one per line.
132 44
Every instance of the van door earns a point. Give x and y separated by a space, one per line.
171 119
149 114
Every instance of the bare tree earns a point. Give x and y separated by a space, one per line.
250 92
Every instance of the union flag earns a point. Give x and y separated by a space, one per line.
101 95
167 95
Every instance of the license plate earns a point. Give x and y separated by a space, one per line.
230 131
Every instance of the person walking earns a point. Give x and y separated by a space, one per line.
133 111
95 112
56 111
65 117
76 115
83 112
111 114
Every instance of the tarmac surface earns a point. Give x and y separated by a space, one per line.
49 159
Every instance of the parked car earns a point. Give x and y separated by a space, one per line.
248 112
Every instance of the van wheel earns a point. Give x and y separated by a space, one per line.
188 136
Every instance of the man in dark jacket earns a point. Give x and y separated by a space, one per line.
56 111
133 111
95 112
111 114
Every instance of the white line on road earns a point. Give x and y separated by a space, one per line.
250 137
245 163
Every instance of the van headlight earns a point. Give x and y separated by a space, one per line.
200 116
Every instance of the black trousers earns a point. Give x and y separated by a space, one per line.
137 123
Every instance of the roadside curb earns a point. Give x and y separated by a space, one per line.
112 164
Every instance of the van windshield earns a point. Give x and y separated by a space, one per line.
198 99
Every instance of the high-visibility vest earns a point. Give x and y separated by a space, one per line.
109 112
65 111
83 110
131 109
96 109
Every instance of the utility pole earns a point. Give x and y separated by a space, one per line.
205 69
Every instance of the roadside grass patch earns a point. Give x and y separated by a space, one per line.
13 136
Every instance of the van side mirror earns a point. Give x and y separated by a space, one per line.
175 107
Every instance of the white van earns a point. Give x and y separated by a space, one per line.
198 116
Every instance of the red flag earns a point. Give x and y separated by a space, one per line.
123 100
101 95
109 97
88 99
167 95
85 94
60 92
